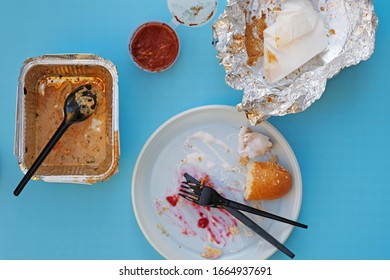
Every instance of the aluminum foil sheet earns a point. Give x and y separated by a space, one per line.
351 26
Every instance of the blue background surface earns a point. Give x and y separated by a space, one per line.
341 141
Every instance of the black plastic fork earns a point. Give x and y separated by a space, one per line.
203 195
194 191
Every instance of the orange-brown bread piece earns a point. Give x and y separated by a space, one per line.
266 181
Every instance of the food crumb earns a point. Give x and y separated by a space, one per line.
271 56
211 253
244 160
160 227
234 230
332 32
196 10
273 158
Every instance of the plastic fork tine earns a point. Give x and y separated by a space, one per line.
191 188
191 185
189 198
185 186
188 192
191 179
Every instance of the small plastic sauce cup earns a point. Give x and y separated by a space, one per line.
154 46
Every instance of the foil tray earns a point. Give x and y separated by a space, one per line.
88 152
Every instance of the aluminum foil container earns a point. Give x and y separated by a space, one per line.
351 26
88 152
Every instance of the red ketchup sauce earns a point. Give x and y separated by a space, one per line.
154 46
203 222
172 199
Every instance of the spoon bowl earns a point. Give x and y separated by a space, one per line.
79 105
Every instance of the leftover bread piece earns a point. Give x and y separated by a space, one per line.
266 181
297 35
251 145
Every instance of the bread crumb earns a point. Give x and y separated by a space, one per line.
244 160
161 208
332 32
211 253
234 230
160 227
273 158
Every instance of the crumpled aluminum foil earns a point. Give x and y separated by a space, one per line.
351 28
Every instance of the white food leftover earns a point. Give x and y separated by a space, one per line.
297 35
251 145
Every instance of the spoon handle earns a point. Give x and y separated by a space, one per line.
44 153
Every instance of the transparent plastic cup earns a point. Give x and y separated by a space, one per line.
154 46
192 12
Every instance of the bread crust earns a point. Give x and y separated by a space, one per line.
266 181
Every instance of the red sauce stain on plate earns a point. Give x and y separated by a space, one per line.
208 224
203 222
172 199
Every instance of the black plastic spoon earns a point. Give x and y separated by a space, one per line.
79 106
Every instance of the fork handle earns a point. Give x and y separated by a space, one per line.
259 230
259 212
